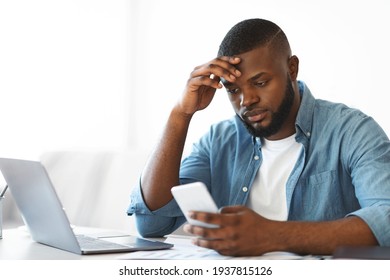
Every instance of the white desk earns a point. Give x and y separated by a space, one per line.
18 245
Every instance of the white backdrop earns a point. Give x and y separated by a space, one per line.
94 74
63 75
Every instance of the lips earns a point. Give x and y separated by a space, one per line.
255 115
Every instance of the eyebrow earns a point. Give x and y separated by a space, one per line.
257 76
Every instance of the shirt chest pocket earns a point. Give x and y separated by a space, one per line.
318 193
324 179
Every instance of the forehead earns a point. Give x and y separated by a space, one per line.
261 60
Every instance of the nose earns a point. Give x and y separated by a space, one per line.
249 97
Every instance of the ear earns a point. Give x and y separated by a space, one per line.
293 67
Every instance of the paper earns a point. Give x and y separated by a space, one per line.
184 250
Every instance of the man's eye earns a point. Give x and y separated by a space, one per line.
260 83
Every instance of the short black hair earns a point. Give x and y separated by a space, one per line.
253 33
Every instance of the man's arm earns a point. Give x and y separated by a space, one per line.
243 232
162 170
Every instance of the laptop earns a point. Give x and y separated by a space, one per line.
46 219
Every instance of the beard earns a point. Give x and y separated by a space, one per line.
277 118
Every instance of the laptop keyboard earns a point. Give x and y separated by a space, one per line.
87 242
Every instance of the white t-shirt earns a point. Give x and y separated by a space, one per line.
268 193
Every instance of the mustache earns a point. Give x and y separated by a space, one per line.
253 112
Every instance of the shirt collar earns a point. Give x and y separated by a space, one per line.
306 109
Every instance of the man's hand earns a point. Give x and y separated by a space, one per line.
241 232
204 81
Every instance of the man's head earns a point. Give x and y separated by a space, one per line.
265 96
253 33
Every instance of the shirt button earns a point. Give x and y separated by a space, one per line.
256 158
244 189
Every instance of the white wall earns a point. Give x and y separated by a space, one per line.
63 75
104 74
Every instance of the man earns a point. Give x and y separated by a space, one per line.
290 172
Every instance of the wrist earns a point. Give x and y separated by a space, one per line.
179 114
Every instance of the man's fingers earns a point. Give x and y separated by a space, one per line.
232 209
231 59
219 245
222 219
205 81
220 67
207 217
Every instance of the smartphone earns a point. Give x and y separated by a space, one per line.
194 197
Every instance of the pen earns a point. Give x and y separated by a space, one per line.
3 192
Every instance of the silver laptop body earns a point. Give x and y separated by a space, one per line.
46 219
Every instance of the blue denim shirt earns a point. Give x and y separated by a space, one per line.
344 169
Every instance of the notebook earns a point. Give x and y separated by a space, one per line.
46 219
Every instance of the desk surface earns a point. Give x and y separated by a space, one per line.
18 245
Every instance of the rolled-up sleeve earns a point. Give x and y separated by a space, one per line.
378 219
371 176
154 223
